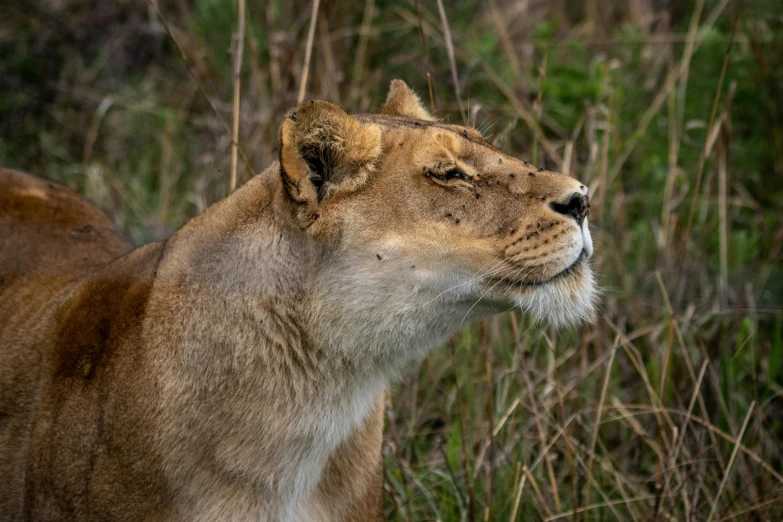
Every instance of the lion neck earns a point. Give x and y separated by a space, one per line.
240 276
244 369
265 287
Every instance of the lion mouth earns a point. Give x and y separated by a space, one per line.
566 272
583 255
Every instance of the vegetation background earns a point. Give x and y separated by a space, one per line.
670 406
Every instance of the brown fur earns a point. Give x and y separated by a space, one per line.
237 370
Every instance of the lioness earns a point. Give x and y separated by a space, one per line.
237 370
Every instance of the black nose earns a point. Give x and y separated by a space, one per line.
576 207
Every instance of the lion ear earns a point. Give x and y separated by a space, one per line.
323 150
402 101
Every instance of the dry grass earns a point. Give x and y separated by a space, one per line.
669 406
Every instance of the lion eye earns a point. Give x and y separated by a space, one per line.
451 174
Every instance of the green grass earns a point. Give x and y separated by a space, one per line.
590 423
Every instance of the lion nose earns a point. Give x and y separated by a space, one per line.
576 207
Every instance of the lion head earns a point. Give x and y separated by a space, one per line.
420 225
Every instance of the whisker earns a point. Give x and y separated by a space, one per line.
495 268
498 267
518 274
480 298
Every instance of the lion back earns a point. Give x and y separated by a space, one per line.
46 228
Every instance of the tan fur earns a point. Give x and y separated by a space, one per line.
236 371
402 101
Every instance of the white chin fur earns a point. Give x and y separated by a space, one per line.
564 301
586 238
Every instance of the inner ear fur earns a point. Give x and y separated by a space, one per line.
402 101
323 149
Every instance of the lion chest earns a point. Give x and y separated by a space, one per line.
269 465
